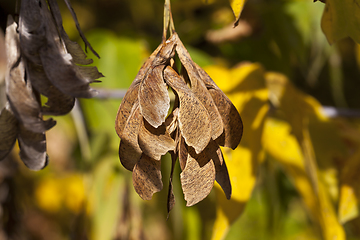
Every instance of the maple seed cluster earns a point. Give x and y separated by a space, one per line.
41 60
201 119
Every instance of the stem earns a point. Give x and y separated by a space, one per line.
172 26
168 20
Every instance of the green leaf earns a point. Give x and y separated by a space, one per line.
237 7
341 18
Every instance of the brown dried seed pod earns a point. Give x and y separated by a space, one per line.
23 102
40 62
129 149
233 126
40 43
32 148
155 142
31 30
154 97
58 103
197 179
79 56
8 130
214 153
193 118
183 153
199 89
171 121
132 94
171 196
147 177
201 118
222 176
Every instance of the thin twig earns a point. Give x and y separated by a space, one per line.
166 19
110 93
331 112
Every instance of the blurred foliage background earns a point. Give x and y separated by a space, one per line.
294 174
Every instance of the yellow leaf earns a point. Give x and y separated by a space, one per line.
237 79
329 150
75 193
350 190
341 18
237 7
280 143
329 222
348 204
290 143
48 195
296 107
240 167
249 95
53 193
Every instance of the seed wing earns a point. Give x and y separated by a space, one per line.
193 118
197 178
199 89
154 97
129 149
8 131
32 148
155 142
147 177
233 126
132 94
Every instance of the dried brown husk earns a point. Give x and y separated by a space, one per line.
23 102
192 131
153 94
42 45
233 126
222 175
31 29
199 88
32 148
79 56
40 62
147 177
193 118
129 149
132 94
155 142
214 153
183 153
8 130
171 196
57 62
154 97
197 178
171 121
57 103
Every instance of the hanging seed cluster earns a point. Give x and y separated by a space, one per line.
201 119
41 60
